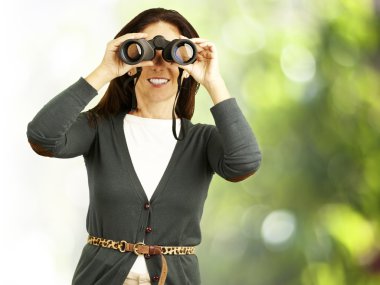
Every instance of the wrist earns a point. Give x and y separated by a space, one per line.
217 90
98 78
213 82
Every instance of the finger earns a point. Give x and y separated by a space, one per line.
188 68
130 36
206 55
196 41
206 46
144 63
199 40
209 50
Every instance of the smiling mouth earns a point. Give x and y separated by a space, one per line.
158 81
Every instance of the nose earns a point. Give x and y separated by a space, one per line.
158 59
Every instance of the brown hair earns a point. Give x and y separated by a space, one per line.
118 96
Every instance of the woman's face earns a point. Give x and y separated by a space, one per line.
158 83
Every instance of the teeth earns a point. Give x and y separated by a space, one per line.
158 81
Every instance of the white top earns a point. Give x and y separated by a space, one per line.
150 144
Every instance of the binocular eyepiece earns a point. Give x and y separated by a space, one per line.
181 51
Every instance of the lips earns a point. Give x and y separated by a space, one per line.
158 81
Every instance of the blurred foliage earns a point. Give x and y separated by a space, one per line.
306 74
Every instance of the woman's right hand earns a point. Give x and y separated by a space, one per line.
112 66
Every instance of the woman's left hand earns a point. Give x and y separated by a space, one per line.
205 69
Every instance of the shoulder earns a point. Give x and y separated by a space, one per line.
97 120
199 131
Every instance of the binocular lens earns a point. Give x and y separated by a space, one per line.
134 52
183 53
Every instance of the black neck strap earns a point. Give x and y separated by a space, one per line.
134 78
174 121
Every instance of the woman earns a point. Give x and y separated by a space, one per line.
147 189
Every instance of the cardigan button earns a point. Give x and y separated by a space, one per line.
148 230
156 278
146 206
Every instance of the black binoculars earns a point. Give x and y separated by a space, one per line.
181 51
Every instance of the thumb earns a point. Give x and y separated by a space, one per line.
187 69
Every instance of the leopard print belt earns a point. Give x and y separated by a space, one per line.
142 249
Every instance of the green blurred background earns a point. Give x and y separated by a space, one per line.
305 73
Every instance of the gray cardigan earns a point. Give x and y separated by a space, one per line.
118 204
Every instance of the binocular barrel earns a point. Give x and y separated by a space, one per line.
181 51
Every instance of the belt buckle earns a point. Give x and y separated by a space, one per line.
122 246
135 248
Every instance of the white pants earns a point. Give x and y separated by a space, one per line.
136 279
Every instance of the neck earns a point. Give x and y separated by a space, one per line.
154 110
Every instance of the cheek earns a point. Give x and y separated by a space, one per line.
141 82
174 72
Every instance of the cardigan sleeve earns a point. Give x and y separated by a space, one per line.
232 149
60 129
